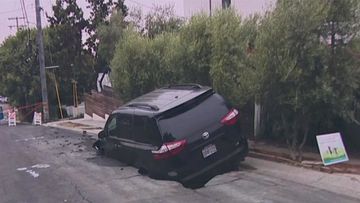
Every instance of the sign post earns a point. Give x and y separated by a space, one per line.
1 113
37 120
12 118
331 148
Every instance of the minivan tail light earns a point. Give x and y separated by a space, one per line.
230 118
169 149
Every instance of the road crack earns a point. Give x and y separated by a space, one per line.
318 180
77 189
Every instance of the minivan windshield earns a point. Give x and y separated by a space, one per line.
193 118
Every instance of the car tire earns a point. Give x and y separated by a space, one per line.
98 146
194 184
198 182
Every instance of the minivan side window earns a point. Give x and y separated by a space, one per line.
145 131
120 126
111 128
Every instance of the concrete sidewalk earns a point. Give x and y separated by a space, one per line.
83 125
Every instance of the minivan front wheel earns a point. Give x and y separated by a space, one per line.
98 146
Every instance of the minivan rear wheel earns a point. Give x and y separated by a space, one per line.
198 182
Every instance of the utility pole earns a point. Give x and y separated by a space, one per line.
210 7
39 40
17 22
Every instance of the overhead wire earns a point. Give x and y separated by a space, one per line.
22 11
25 12
14 10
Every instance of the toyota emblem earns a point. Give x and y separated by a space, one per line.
205 135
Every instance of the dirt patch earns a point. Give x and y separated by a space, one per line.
74 125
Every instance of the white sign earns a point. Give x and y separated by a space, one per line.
37 120
12 118
331 148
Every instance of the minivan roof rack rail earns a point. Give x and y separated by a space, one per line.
186 86
144 106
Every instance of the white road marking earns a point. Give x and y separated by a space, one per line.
28 139
33 173
41 166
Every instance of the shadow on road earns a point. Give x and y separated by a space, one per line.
105 161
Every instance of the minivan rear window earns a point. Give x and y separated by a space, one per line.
192 119
145 131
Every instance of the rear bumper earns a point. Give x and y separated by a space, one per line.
179 171
237 154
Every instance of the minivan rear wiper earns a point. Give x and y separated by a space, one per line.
144 106
185 86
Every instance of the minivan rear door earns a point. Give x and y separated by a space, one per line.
146 138
120 135
199 123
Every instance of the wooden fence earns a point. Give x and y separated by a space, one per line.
101 103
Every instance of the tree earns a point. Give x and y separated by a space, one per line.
195 44
141 64
100 10
160 20
64 44
306 84
232 71
20 78
109 35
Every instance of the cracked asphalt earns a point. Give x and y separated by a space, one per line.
42 164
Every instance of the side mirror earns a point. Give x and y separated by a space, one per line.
101 134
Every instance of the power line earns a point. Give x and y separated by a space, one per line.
17 23
25 13
14 10
22 11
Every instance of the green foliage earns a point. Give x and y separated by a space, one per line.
67 12
198 53
64 48
307 78
231 69
100 10
109 34
141 64
19 76
195 50
161 19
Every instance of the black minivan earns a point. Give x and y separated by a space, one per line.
179 132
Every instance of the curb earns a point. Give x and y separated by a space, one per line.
349 169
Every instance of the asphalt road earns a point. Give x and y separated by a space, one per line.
42 164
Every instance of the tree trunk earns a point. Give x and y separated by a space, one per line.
304 139
292 140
